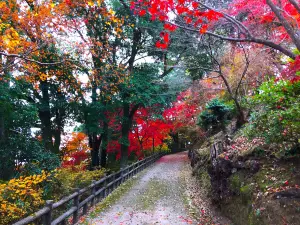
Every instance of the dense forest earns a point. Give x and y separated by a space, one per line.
89 87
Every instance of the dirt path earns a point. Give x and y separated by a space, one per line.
156 196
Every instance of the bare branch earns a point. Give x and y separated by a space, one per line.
250 39
32 60
192 68
244 72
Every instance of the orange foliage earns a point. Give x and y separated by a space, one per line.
233 66
76 149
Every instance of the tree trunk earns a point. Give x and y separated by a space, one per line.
1 125
57 140
103 150
175 144
60 113
94 139
94 143
45 116
240 117
125 133
58 130
126 126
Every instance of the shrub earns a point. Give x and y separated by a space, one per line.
277 118
24 195
215 115
66 179
20 197
23 155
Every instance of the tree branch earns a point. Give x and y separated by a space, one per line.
289 29
244 72
295 4
249 39
31 60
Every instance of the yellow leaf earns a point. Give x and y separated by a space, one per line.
111 12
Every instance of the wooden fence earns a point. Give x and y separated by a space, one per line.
83 199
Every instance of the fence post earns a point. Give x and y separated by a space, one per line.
94 189
114 180
127 172
85 209
48 216
105 188
134 169
76 204
122 176
120 180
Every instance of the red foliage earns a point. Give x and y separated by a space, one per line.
290 72
170 27
142 12
261 17
164 42
75 159
149 131
203 29
145 133
161 9
68 2
184 111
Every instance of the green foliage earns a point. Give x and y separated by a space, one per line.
277 117
215 115
66 179
164 148
28 155
246 193
236 182
197 65
143 86
20 153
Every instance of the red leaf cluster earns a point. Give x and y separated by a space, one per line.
162 9
164 42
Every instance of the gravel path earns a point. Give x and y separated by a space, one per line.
158 196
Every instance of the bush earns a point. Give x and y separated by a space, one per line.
277 120
66 179
215 115
20 197
23 155
24 195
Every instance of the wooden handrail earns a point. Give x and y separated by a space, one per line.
105 186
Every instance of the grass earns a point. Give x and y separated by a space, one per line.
111 199
155 190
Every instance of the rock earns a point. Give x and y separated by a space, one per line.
238 164
253 165
290 193
234 170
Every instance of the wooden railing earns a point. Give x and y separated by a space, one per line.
83 199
